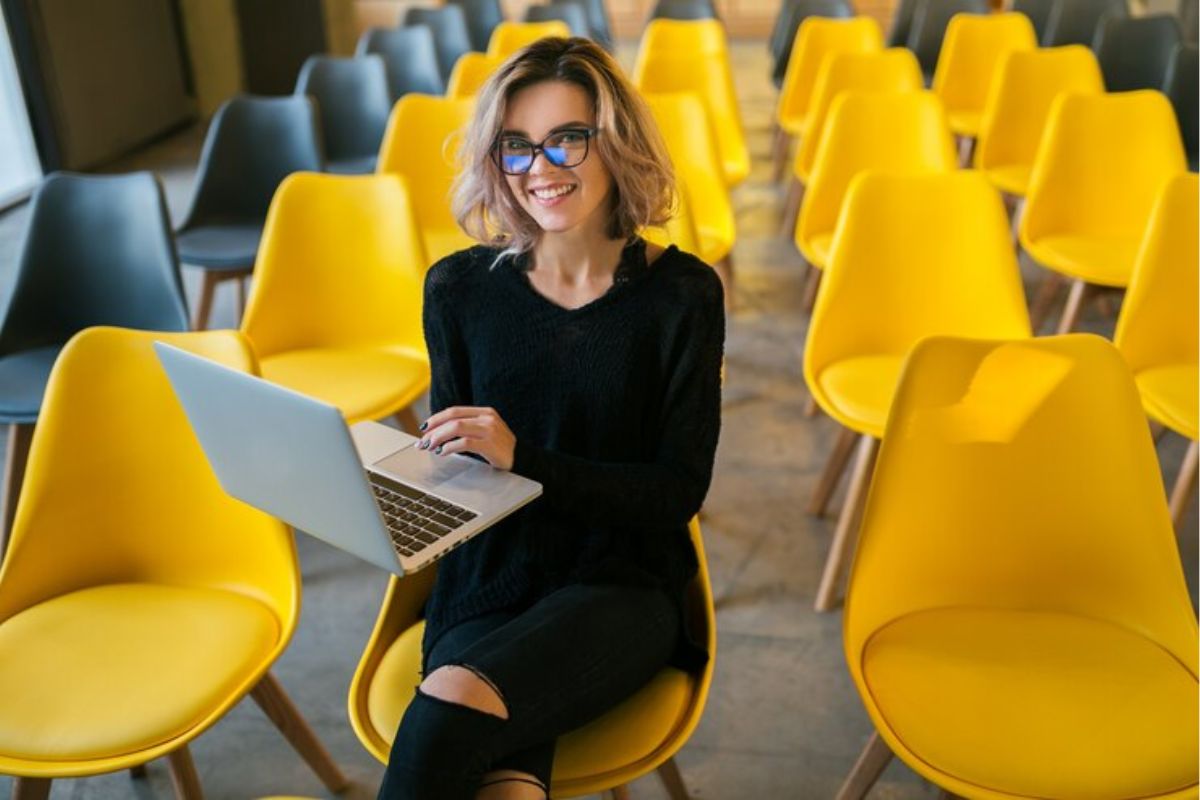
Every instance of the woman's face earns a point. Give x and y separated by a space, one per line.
558 198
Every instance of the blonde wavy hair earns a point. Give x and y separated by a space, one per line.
630 146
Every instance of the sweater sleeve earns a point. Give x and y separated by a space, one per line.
450 383
669 490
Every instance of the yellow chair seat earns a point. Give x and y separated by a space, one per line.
1036 704
626 734
1105 260
1170 396
713 246
363 382
965 123
121 668
857 392
1011 178
441 242
816 249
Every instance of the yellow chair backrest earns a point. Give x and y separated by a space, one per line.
682 37
685 127
1027 82
1101 164
117 489
340 264
470 72
895 69
401 612
680 230
816 39
421 143
915 255
917 140
972 51
1159 316
509 37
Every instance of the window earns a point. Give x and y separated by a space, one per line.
19 167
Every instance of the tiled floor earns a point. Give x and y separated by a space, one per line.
783 719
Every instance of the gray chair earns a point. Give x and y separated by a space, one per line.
409 57
571 12
791 15
684 9
1076 21
929 29
98 250
1181 85
1189 20
353 102
450 35
902 21
482 17
598 21
1038 12
1134 52
253 143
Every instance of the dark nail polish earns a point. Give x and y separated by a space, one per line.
424 425
423 444
439 450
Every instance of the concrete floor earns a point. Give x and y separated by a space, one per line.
783 719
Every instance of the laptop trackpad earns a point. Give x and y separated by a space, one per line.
411 465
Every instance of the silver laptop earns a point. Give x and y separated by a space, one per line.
365 489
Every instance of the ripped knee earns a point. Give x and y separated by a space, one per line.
465 686
509 784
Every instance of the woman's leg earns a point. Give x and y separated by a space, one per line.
510 694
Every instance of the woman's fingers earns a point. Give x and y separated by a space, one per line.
454 429
453 413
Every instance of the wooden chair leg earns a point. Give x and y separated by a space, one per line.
619 793
1185 485
20 436
31 789
724 269
835 467
204 307
406 418
870 765
241 297
1043 301
138 773
279 709
842 548
812 284
184 777
779 154
811 409
672 780
1075 300
791 208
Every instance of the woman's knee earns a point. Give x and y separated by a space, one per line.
465 686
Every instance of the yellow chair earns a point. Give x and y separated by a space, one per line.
684 125
817 38
971 54
1015 114
509 37
916 140
640 735
1017 623
335 311
680 230
1099 168
892 70
683 37
707 73
421 143
138 601
1156 331
914 256
470 72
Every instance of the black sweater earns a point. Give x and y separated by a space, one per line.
616 411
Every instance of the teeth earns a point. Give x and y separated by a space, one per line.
548 194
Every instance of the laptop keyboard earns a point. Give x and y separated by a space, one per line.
415 519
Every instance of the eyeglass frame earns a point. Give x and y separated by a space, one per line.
540 148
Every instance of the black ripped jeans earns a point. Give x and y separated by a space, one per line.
556 666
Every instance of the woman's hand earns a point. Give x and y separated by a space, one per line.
470 429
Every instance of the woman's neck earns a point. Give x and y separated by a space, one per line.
581 256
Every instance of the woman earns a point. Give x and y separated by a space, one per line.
583 358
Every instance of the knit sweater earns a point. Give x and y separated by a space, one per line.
616 411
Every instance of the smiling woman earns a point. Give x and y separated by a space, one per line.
571 352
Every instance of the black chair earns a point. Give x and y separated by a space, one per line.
929 29
1076 21
791 15
252 144
598 21
482 17
902 21
409 57
684 9
1182 85
450 35
1189 20
353 102
98 251
571 12
1038 12
1134 52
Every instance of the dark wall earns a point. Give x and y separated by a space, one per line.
277 36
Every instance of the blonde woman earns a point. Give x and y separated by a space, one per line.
574 353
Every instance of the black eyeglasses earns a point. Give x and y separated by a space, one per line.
565 148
